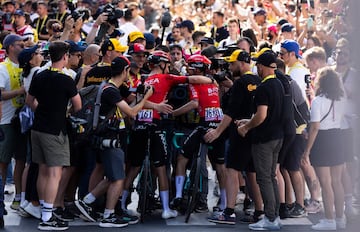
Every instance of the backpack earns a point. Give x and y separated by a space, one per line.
301 113
287 115
87 121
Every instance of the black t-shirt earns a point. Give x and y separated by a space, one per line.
52 90
269 93
240 105
40 25
221 33
98 74
109 97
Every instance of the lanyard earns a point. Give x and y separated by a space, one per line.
248 72
267 78
42 24
56 70
62 16
296 65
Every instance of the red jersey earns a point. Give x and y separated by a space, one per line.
162 84
209 101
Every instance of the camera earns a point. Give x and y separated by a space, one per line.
307 79
110 143
142 89
220 76
113 14
77 14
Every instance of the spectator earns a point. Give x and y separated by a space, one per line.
327 111
52 91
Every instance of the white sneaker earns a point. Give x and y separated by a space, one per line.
278 221
265 224
166 214
131 212
341 223
325 224
24 204
34 211
351 213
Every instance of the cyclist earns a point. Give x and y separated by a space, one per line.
162 81
210 114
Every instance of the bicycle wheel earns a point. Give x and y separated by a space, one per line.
194 188
143 188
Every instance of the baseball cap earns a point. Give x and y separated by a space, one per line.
134 35
137 48
292 46
207 40
25 55
11 39
188 23
19 12
119 64
238 55
266 57
150 40
8 2
273 28
117 33
282 22
74 47
287 27
113 45
209 52
259 11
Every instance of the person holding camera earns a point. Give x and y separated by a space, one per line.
111 145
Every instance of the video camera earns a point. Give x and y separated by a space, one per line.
113 14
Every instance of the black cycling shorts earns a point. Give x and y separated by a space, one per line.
137 147
216 151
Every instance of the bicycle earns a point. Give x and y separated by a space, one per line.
144 186
193 184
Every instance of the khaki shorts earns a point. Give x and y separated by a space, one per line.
52 150
13 145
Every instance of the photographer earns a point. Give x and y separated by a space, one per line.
112 155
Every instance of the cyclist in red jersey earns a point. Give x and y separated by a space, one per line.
162 82
210 114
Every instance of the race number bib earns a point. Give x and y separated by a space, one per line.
145 115
213 114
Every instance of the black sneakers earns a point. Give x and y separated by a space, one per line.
113 221
53 224
63 214
86 210
298 211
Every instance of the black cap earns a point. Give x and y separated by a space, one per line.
207 40
119 64
189 24
266 57
26 55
